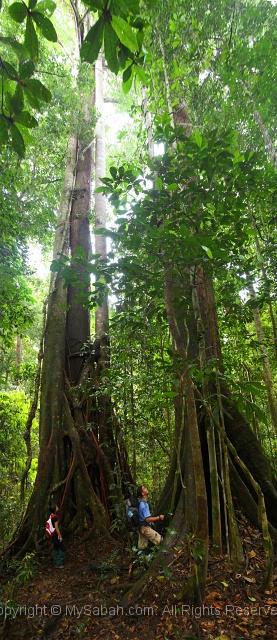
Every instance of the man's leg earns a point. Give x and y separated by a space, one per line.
142 541
152 535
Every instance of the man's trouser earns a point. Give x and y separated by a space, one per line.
146 534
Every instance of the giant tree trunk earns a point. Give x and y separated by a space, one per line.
73 470
71 465
196 511
236 425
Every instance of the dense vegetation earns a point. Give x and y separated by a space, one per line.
175 385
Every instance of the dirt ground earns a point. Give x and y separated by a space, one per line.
83 600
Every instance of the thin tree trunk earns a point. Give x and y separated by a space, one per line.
266 282
272 403
102 312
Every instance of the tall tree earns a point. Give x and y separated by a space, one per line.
72 467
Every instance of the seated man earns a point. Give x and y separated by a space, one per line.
145 532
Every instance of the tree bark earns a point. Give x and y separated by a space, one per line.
102 312
196 514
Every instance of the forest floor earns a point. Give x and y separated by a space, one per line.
83 599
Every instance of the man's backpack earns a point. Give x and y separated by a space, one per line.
49 529
132 521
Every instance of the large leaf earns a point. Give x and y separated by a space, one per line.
159 183
32 98
140 73
111 44
127 73
26 69
19 48
26 119
4 130
124 7
18 11
17 141
9 70
125 33
119 8
45 26
26 134
128 79
94 4
46 6
123 55
31 40
93 41
38 90
17 101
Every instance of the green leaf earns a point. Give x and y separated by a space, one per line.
113 172
17 141
261 415
126 84
19 48
198 138
31 40
127 73
26 119
26 69
4 130
32 4
171 394
93 41
26 134
208 251
38 90
9 71
45 26
140 73
46 6
172 187
123 55
125 33
18 11
167 572
111 44
32 98
130 6
159 183
17 101
94 4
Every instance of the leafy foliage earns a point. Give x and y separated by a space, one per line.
17 84
13 413
118 26
191 207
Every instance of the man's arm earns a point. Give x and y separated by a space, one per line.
58 530
154 518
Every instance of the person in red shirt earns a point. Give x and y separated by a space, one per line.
58 544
